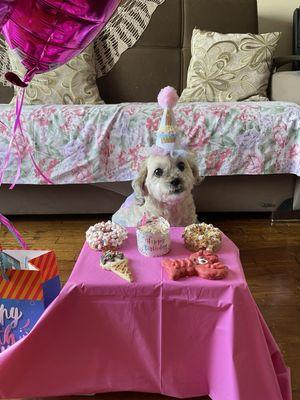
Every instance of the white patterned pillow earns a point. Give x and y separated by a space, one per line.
229 67
71 83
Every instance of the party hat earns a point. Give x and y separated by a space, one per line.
167 134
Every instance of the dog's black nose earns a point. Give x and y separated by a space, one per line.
175 182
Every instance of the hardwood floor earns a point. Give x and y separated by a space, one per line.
270 257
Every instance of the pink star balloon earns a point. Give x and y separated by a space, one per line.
48 33
6 7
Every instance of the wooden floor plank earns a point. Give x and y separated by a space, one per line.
270 256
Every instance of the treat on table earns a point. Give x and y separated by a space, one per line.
153 236
178 268
106 236
202 236
208 266
116 262
204 264
111 258
204 256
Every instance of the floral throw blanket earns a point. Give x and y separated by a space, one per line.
104 143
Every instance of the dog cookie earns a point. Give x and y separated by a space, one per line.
116 262
178 268
202 236
111 258
106 236
204 264
208 266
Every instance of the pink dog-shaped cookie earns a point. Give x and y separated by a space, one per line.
178 268
208 266
204 263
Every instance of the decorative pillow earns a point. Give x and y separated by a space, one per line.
72 83
229 67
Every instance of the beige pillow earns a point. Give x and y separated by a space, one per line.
72 83
229 67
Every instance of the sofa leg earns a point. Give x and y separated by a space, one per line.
285 213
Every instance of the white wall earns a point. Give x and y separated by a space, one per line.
277 15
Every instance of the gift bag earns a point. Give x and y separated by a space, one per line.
29 282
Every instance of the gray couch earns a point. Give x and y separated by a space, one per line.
162 57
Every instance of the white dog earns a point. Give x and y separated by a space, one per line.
163 188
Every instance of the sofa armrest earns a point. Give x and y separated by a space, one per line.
281 61
284 86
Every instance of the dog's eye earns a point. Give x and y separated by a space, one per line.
181 166
158 172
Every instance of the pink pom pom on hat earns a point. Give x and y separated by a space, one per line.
167 97
167 134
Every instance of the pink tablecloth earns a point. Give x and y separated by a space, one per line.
187 338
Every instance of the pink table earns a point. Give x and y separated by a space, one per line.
187 338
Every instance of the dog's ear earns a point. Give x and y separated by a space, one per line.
138 185
192 160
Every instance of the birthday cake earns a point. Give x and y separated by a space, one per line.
153 236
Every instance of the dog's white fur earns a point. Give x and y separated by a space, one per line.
168 195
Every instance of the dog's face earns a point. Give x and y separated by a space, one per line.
166 178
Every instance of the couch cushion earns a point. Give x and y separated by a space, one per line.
153 70
285 86
170 31
107 143
219 16
164 28
170 28
71 83
229 67
6 94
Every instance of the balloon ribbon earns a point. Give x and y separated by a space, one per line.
4 221
18 126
